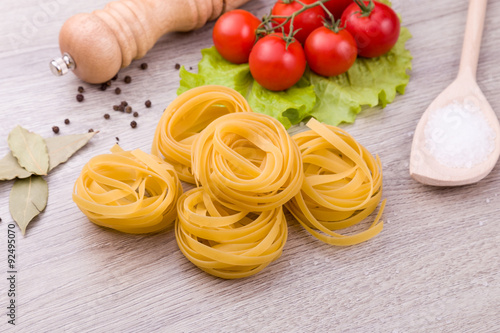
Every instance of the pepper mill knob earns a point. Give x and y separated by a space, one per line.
62 65
96 45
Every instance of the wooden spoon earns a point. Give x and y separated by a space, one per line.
423 165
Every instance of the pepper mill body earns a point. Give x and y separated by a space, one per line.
96 45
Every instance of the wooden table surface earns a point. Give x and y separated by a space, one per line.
434 268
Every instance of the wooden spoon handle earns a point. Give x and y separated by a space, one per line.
472 38
102 42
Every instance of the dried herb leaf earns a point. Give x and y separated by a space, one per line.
61 148
10 168
28 198
30 150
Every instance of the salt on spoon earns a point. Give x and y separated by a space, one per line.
457 140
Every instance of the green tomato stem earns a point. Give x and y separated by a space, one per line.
366 10
265 29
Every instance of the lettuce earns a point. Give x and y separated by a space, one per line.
332 100
213 69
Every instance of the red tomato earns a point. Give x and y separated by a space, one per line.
274 65
234 35
330 53
376 33
307 21
337 7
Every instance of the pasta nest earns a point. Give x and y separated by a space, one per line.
185 117
226 243
342 185
130 191
247 161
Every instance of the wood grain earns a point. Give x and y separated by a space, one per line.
434 268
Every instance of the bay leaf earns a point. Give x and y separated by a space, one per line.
10 168
27 199
30 150
61 148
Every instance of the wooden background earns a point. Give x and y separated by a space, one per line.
434 268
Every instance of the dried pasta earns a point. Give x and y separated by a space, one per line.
226 243
342 185
185 117
247 167
247 161
129 191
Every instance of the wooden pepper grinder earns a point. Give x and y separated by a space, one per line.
96 45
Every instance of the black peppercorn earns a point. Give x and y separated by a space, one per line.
55 129
116 107
127 79
177 66
106 116
114 77
79 98
108 83
117 139
148 103
118 91
80 89
144 66
136 114
124 103
66 121
128 109
91 130
133 124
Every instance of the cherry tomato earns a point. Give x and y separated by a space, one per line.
274 65
376 33
234 35
306 21
330 53
337 7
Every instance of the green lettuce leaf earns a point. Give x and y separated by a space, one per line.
332 100
290 107
213 69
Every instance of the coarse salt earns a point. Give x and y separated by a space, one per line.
459 136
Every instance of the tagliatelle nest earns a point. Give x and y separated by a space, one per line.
247 161
342 186
129 191
185 117
226 243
